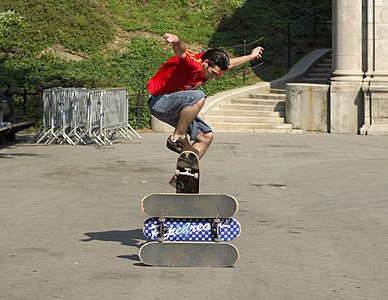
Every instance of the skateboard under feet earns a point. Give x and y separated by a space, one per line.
187 173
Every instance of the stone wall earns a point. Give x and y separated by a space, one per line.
307 106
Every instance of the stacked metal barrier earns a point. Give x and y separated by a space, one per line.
83 116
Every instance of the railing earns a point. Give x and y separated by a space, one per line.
288 40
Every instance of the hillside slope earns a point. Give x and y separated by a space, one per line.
118 43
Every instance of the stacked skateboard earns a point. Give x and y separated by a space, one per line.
187 228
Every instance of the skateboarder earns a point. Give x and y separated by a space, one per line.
174 98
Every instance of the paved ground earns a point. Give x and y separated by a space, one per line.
313 209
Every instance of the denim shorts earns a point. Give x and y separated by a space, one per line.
167 108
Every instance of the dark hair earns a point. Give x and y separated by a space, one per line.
217 57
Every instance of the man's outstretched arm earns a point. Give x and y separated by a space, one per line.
237 61
178 46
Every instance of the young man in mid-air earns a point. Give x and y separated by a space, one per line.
175 99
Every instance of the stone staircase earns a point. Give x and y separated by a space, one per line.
320 72
258 112
263 111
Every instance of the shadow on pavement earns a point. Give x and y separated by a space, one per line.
132 238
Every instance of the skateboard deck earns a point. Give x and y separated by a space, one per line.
194 230
187 172
186 254
189 205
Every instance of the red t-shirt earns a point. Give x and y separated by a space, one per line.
178 74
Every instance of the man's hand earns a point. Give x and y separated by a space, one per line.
257 52
237 61
177 45
171 38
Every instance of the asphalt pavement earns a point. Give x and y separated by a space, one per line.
313 209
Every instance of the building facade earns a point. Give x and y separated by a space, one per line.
359 82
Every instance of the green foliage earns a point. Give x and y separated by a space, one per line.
96 27
139 63
79 25
145 117
10 23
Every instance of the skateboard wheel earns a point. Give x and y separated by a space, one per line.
196 175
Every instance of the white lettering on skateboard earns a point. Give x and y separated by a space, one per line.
185 229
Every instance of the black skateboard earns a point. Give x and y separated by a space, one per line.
187 173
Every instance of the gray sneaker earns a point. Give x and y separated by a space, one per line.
180 145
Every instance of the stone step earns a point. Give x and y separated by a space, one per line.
278 91
276 96
326 61
258 101
316 80
261 112
318 75
242 119
321 71
248 107
254 128
324 66
246 113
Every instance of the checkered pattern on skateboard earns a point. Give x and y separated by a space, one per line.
196 230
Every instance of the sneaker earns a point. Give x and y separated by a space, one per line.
180 145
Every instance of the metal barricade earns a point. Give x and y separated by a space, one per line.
44 132
115 103
83 116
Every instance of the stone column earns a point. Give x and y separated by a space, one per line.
346 97
376 60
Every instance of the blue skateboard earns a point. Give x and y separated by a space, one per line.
191 229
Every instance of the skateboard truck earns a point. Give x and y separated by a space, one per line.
187 173
216 229
162 229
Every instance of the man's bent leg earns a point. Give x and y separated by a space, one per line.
179 110
187 115
203 142
178 141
